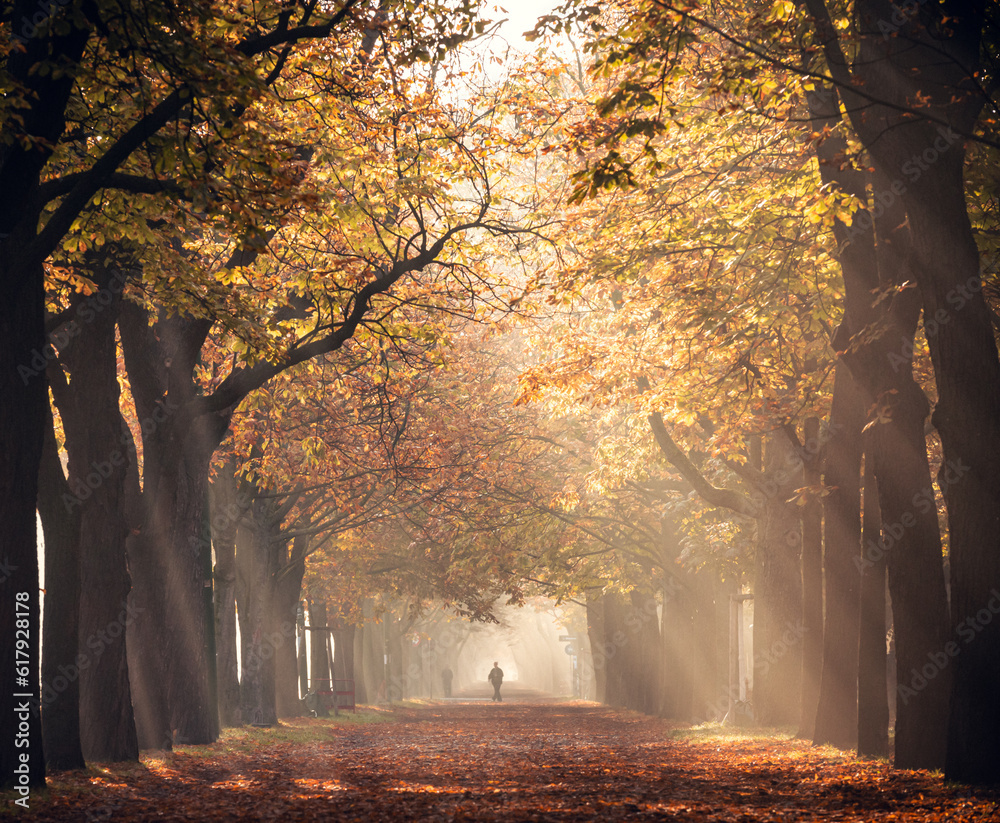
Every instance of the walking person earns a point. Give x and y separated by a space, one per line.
496 678
446 677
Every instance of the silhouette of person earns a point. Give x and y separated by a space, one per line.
446 676
496 678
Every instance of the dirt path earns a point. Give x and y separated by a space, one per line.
512 761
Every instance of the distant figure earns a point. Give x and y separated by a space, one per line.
496 678
446 677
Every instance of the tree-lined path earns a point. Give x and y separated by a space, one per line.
521 760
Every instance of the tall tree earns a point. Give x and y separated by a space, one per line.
60 647
41 67
98 460
913 110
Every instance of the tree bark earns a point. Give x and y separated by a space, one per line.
926 74
911 540
777 631
287 587
361 693
595 633
647 647
147 656
812 579
22 430
256 564
343 650
24 352
60 664
837 711
967 417
319 664
177 449
97 468
873 706
705 684
616 691
876 252
677 652
302 655
226 514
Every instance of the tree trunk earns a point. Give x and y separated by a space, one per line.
256 564
812 579
911 539
287 588
22 430
398 686
226 514
302 655
647 647
873 706
912 546
677 653
319 664
331 673
719 700
375 651
876 344
612 647
361 694
60 649
177 506
147 655
777 631
98 463
837 712
343 649
183 490
177 451
938 57
704 642
147 639
967 416
595 633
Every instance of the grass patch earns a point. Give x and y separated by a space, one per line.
715 732
415 703
299 730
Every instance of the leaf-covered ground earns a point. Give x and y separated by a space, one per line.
510 761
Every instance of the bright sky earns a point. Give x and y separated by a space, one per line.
521 16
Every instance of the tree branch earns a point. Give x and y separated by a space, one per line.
724 498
